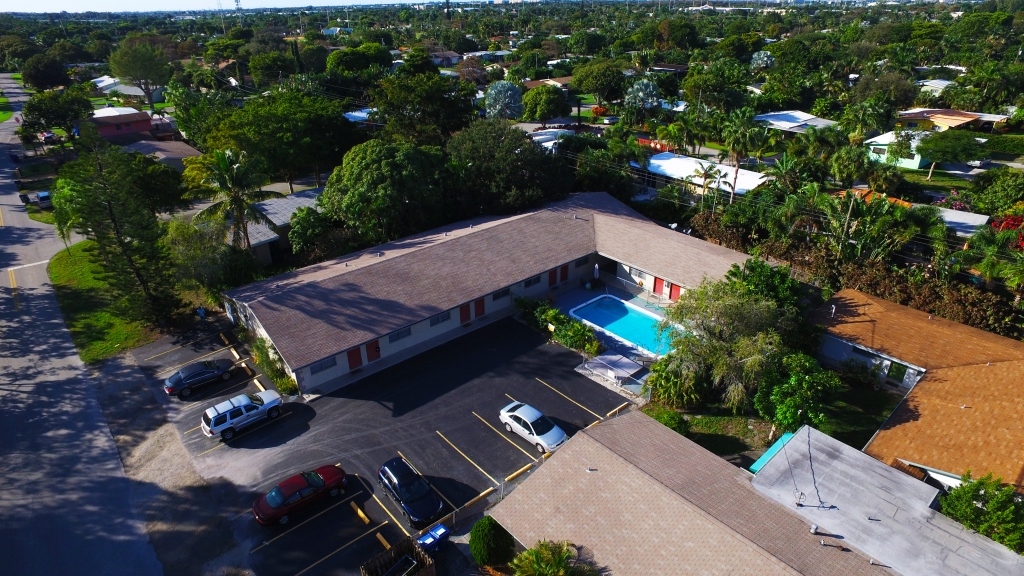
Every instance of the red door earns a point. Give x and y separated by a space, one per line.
372 351
659 285
355 358
673 292
479 305
565 273
552 277
464 314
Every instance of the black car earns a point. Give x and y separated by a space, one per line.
185 381
419 503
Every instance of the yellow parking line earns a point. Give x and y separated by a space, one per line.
243 431
1 218
192 429
10 275
174 369
246 368
570 399
468 459
258 385
324 511
416 470
381 504
498 432
355 507
340 548
224 338
177 348
221 445
235 353
383 541
511 398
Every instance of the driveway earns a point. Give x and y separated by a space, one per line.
67 503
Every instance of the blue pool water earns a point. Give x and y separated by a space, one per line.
625 322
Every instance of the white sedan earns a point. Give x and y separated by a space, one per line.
534 427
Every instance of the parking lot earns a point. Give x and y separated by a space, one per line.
438 410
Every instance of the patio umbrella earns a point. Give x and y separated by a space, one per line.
597 272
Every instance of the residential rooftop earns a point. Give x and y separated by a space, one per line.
685 168
323 309
280 211
876 509
793 121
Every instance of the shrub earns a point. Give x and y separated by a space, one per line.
1005 144
568 332
668 417
490 543
270 364
599 111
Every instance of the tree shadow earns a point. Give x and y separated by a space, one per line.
719 444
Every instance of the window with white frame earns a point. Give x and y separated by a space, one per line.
403 333
442 317
317 367
503 293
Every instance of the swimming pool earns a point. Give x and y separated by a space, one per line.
624 322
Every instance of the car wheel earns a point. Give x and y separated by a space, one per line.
226 376
540 448
508 427
335 491
283 520
274 413
227 434
185 393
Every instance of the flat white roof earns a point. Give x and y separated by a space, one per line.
793 120
963 223
113 111
890 137
685 167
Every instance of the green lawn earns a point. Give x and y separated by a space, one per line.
36 185
37 169
724 434
102 102
941 180
39 215
588 99
97 318
5 110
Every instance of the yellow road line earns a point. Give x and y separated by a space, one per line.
385 508
427 481
498 432
468 459
176 348
14 289
324 511
383 541
346 545
598 416
624 404
359 513
175 369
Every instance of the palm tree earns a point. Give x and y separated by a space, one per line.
739 137
236 182
1012 274
861 119
549 558
986 253
681 134
707 173
785 174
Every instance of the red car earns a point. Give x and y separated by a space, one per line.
298 491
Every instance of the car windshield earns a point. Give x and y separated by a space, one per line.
414 489
313 479
256 399
542 425
275 498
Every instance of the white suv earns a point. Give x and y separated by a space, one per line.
230 416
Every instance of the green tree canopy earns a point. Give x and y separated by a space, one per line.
544 103
950 146
601 77
796 396
989 508
198 113
267 67
43 72
426 109
142 65
58 109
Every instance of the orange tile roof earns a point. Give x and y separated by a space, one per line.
945 117
965 413
867 195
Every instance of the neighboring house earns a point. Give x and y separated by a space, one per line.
965 224
934 87
267 242
170 152
548 139
489 55
666 168
118 121
878 149
941 119
446 58
962 408
756 88
341 320
793 121
645 500
677 70
136 94
878 510
562 82
104 84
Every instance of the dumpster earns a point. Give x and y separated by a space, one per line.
431 541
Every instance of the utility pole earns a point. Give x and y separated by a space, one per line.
238 10
220 9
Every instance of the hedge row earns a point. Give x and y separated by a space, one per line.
1005 144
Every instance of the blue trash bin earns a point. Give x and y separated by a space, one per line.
431 541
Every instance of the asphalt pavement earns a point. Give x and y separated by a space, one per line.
66 506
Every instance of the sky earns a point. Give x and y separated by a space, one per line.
171 5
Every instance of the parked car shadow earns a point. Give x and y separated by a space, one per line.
292 423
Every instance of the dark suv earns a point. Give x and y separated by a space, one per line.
185 381
419 503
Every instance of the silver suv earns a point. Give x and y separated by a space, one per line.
228 417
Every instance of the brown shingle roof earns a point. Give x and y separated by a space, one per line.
911 335
654 502
965 412
322 310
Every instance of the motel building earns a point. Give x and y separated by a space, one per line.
336 322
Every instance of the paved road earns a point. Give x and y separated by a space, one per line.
66 506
